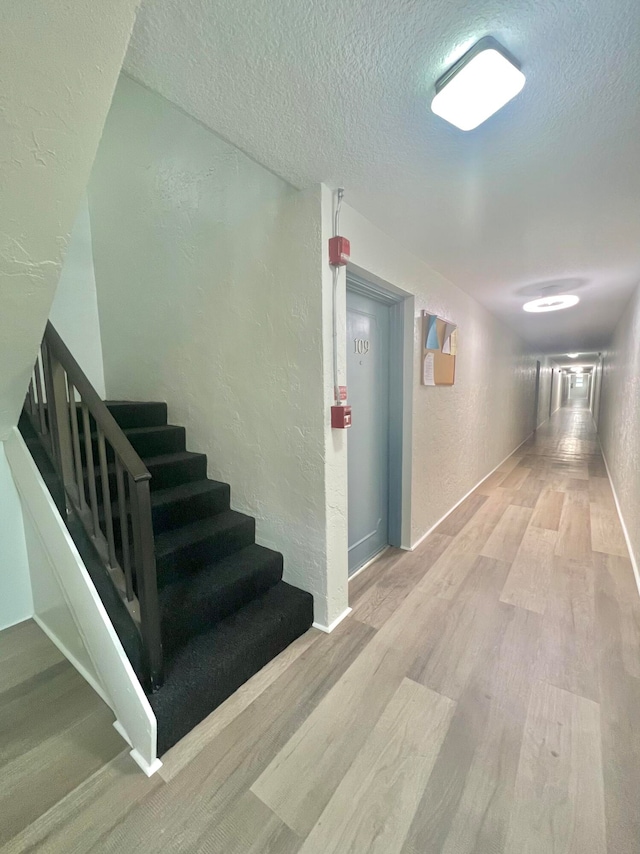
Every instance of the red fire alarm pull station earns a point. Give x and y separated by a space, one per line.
339 251
340 417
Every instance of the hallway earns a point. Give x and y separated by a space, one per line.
482 697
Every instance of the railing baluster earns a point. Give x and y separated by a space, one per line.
31 400
47 373
106 497
91 472
58 407
146 579
124 529
77 457
41 412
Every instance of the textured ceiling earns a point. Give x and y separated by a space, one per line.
547 190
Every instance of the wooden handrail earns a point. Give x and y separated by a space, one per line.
104 419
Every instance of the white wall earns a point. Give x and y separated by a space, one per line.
208 271
556 391
619 424
58 65
545 403
16 602
597 389
74 311
460 432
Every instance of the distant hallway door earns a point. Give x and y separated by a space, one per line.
368 334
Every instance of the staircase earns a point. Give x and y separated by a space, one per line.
223 609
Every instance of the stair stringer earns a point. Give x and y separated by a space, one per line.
53 553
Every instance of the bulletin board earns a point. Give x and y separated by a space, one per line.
439 350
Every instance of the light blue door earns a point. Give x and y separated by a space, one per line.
368 329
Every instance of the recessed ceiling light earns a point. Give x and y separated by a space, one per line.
573 355
477 86
551 303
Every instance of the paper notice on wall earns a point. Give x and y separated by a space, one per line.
432 342
428 377
454 343
449 332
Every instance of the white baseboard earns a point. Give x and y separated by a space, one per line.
149 770
328 629
82 670
627 538
473 489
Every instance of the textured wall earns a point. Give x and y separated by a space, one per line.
208 270
16 603
545 404
74 311
619 423
460 432
58 69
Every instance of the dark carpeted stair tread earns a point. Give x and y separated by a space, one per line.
161 498
191 547
208 669
182 504
148 441
194 604
168 470
187 502
130 413
199 530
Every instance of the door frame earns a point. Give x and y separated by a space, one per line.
401 322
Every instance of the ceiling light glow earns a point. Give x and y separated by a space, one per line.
477 86
573 355
554 303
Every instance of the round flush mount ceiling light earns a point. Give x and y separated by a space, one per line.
573 355
554 303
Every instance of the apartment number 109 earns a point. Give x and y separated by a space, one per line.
360 346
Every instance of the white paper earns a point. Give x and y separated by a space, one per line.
427 370
449 329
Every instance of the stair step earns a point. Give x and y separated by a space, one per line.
188 502
130 413
146 441
210 667
196 603
180 505
189 548
167 470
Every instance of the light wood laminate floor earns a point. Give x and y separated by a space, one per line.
484 696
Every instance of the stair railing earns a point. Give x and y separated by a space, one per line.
60 398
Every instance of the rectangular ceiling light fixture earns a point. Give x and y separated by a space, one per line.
478 85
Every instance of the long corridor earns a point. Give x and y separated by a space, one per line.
482 697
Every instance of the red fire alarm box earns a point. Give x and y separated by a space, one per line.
340 417
339 251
